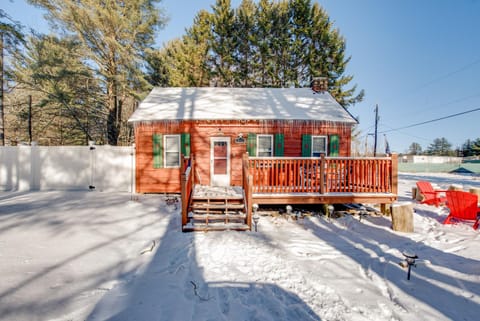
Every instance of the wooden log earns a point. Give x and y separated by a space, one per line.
418 195
414 193
402 216
455 187
474 190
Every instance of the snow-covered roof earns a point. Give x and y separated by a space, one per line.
220 103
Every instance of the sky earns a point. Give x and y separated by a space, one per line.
417 60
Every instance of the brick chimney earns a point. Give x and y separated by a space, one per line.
319 84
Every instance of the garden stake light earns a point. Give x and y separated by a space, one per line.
256 218
409 261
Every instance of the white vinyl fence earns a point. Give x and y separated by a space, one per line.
102 168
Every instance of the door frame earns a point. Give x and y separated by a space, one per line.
220 180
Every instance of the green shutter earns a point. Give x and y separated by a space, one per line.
185 141
252 144
279 145
306 145
334 145
157 150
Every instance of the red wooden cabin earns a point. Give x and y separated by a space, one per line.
218 125
280 145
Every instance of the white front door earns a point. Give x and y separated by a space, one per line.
220 161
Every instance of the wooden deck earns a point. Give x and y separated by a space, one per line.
287 180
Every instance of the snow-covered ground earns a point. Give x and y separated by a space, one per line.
104 256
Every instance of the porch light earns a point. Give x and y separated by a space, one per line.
298 214
256 217
240 139
363 213
288 208
331 209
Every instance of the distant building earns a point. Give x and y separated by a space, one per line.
424 159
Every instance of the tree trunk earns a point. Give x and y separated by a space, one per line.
2 115
113 112
402 217
112 121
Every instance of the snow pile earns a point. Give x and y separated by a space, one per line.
78 256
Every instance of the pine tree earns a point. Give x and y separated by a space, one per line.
280 44
440 147
223 43
471 148
265 44
263 52
300 40
414 149
11 37
476 147
116 36
63 87
245 31
183 62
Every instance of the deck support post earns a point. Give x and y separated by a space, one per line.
383 209
322 174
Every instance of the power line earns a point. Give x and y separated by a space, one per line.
465 67
458 100
407 134
433 120
418 88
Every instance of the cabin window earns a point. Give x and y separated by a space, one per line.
264 145
319 145
172 150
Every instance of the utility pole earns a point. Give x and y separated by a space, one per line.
376 131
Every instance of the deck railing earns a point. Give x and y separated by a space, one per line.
323 174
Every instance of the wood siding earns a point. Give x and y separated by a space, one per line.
167 180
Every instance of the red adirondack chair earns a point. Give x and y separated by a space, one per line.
463 206
430 196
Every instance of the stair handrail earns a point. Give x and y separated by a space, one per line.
247 183
187 183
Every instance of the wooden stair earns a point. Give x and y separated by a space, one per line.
216 211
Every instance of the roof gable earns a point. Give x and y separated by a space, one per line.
221 103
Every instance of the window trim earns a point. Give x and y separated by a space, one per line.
165 147
271 144
326 144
